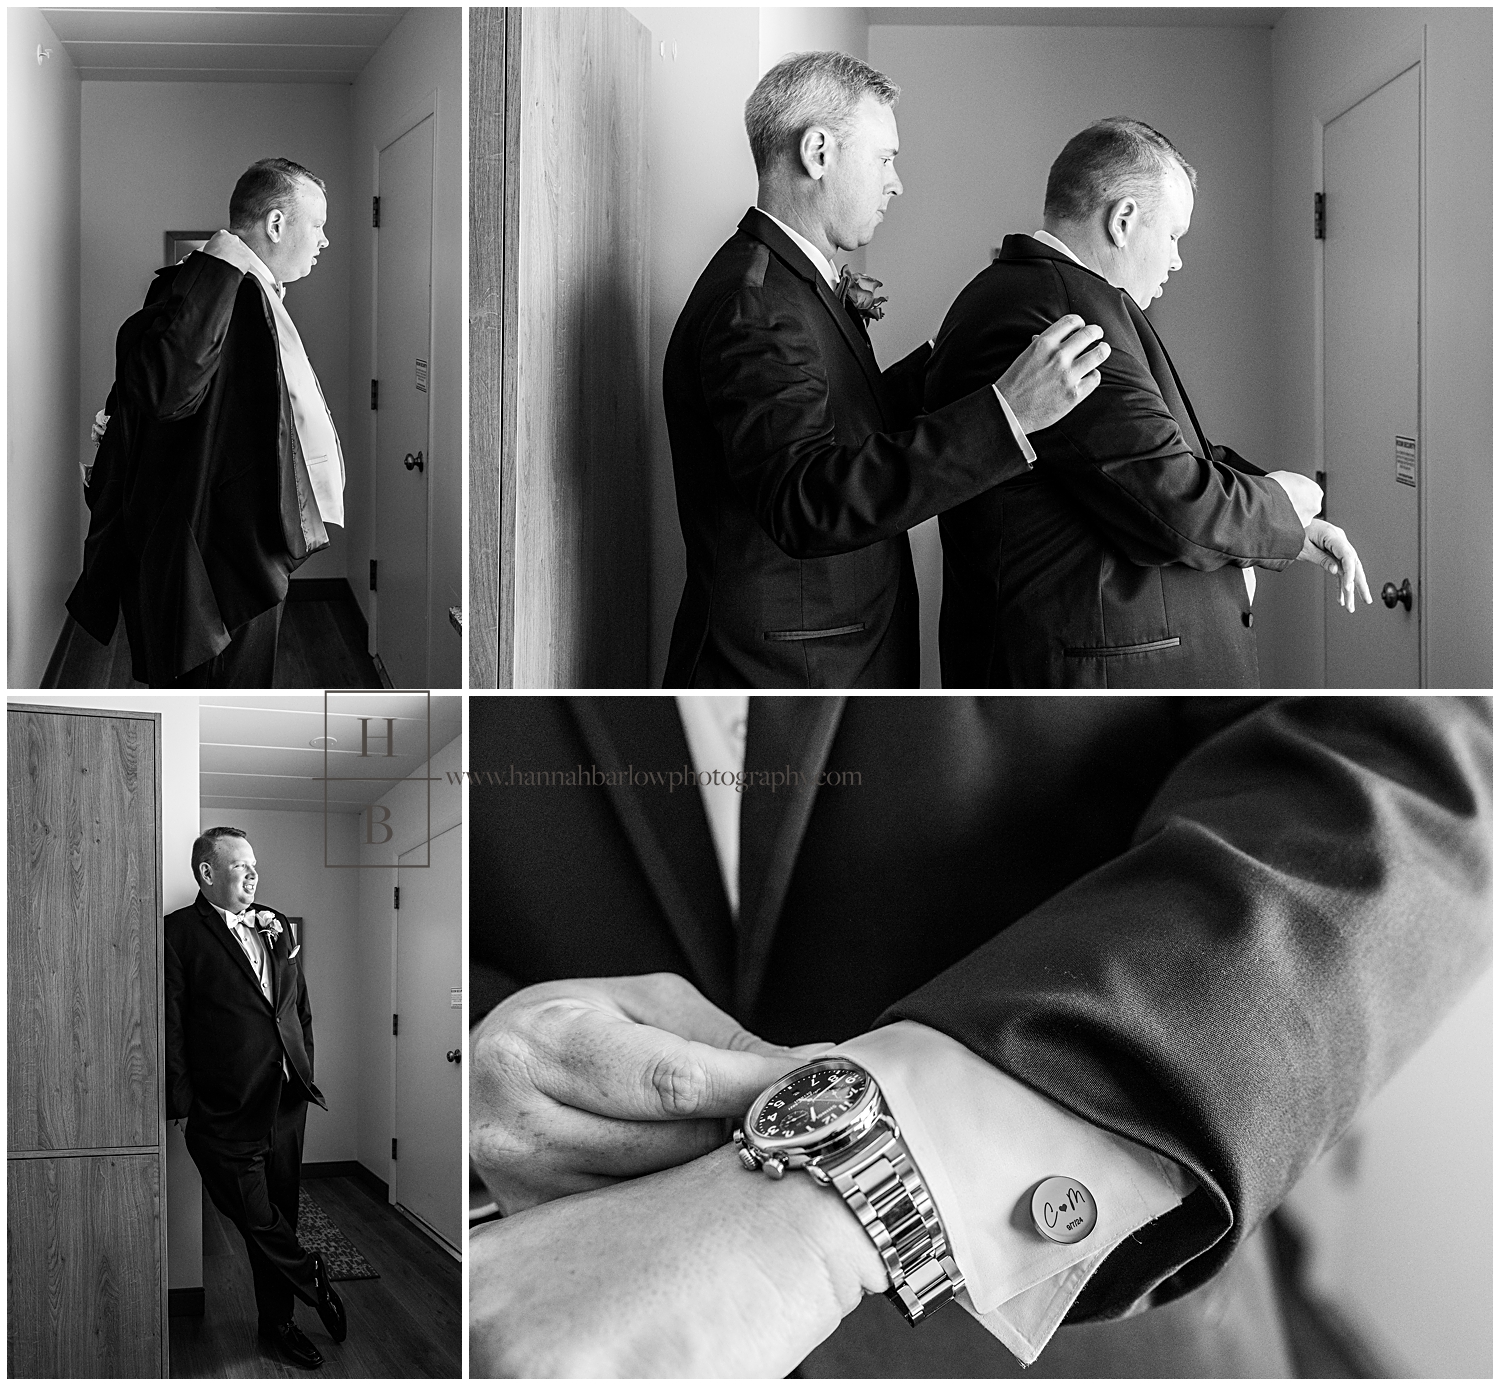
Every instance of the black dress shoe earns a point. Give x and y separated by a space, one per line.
330 1306
292 1343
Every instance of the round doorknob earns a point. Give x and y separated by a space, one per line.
455 1056
1390 594
412 461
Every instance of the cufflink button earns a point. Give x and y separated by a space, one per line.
1063 1209
1248 617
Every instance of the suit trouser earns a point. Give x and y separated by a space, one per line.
255 1185
247 661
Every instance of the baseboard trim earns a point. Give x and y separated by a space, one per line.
349 1169
185 1304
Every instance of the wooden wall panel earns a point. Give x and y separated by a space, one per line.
83 932
84 1259
582 479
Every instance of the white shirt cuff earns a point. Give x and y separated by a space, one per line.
1027 451
983 1141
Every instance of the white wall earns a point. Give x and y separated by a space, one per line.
289 853
1317 53
44 429
424 54
179 827
407 805
161 156
985 109
1400 1213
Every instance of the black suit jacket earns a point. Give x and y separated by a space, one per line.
200 490
1213 926
1116 563
224 1040
799 468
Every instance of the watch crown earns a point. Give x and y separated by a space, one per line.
774 1166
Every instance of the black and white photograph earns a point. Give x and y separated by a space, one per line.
235 318
1154 1033
981 348
234 1050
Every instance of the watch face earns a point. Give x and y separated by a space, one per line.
810 1101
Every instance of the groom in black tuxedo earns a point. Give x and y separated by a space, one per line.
799 464
239 1045
1127 558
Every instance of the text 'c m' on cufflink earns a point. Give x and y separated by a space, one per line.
1063 1210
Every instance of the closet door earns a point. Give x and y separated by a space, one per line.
86 1117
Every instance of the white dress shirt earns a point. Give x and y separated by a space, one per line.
316 433
824 266
1047 238
981 1139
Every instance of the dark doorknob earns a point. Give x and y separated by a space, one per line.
455 1056
413 461
1390 594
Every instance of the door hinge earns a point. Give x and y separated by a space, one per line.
395 1024
398 897
373 563
1320 218
1322 479
375 212
374 394
393 1147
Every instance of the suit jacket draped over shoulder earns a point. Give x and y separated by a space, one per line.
200 492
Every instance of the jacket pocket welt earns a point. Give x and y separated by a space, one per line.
813 634
1115 651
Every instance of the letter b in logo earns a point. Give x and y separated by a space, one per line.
382 823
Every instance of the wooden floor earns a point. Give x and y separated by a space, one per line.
322 645
407 1323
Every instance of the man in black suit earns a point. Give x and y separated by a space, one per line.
239 1045
1209 929
1127 558
219 465
799 464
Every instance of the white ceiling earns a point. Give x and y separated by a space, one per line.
259 752
221 45
1093 17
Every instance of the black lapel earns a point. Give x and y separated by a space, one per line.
668 831
772 825
213 921
756 223
1182 394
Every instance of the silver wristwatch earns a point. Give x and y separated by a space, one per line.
830 1119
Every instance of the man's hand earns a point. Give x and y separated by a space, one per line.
706 1270
1329 547
1058 369
579 1084
1304 493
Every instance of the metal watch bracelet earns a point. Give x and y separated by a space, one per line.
879 1181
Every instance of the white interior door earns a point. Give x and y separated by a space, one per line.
1371 446
427 1175
403 354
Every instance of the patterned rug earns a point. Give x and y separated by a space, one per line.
318 1232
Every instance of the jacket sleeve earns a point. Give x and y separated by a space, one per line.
304 1015
767 392
903 385
1304 898
167 354
1120 454
179 1084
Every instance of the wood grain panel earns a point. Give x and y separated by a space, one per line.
494 145
84 1264
582 482
83 934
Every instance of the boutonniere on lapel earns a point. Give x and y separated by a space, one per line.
857 293
268 924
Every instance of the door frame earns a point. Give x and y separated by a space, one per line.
395 945
388 134
1400 58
